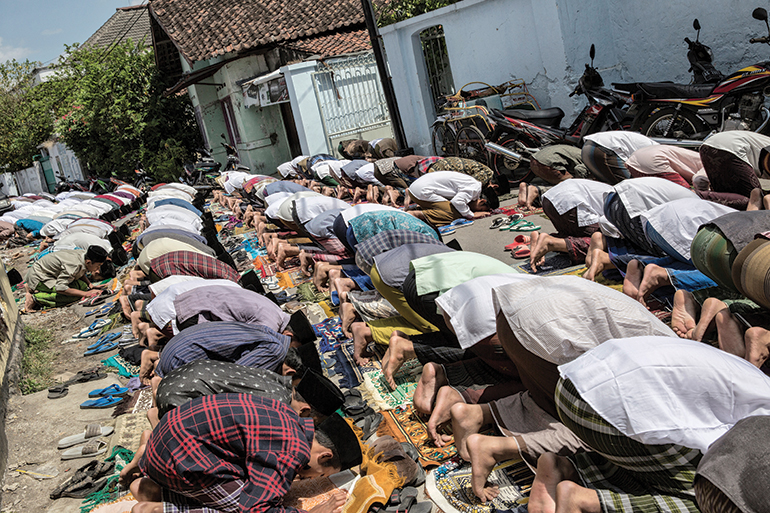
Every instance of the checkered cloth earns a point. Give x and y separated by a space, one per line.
211 443
189 263
627 475
390 239
334 246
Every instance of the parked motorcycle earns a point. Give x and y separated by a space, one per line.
143 181
693 111
701 60
517 134
233 161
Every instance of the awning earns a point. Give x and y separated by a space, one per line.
193 78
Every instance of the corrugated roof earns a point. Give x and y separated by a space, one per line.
127 23
203 29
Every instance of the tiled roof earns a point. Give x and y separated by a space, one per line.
127 23
203 29
329 45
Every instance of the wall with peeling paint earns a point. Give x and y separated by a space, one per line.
546 43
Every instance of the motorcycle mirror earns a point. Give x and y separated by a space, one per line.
696 26
223 136
592 54
759 14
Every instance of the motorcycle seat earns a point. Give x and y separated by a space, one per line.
548 117
668 90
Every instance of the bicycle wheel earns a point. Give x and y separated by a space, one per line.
443 140
470 144
516 171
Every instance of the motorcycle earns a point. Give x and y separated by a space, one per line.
701 60
693 111
143 181
204 172
233 161
517 134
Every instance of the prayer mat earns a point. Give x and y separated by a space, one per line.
328 308
552 266
449 486
406 382
128 431
315 312
306 494
352 374
309 292
406 425
124 368
507 211
139 402
290 278
330 333
370 305
122 505
264 266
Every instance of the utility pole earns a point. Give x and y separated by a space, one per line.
387 84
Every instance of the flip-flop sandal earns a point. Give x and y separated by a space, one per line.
58 391
447 230
413 453
525 226
92 448
511 221
109 309
458 223
86 376
523 252
107 337
91 431
369 424
109 346
84 488
497 223
354 405
335 298
93 329
102 402
114 390
92 300
93 470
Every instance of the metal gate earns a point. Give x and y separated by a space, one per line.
434 51
351 100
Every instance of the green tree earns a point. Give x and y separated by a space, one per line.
393 11
116 114
26 117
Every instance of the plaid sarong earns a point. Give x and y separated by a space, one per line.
628 476
190 263
218 498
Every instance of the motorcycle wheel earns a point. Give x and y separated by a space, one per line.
469 144
506 167
443 140
686 126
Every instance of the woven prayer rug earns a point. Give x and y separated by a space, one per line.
305 494
406 425
406 382
330 334
449 486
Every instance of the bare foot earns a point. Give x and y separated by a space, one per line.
633 279
431 380
305 261
755 200
484 453
542 496
399 349
599 260
757 343
347 317
361 339
445 399
729 333
467 419
655 277
711 307
684 313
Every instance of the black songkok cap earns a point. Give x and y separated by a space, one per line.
301 328
346 443
96 254
320 392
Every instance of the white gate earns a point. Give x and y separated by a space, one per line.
350 96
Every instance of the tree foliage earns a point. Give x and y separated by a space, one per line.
393 11
106 105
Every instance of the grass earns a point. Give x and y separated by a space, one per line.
37 362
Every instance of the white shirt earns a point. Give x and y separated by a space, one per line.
620 142
55 227
81 240
308 208
678 221
159 286
470 309
586 195
290 168
172 214
284 211
326 168
179 186
161 308
558 318
363 208
745 145
170 193
365 173
660 390
94 226
641 194
235 180
457 188
657 159
274 202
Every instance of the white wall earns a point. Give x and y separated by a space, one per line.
304 106
546 44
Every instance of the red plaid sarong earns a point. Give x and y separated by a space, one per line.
190 263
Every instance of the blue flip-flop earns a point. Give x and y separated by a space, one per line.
93 329
103 402
110 390
335 298
109 346
107 337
